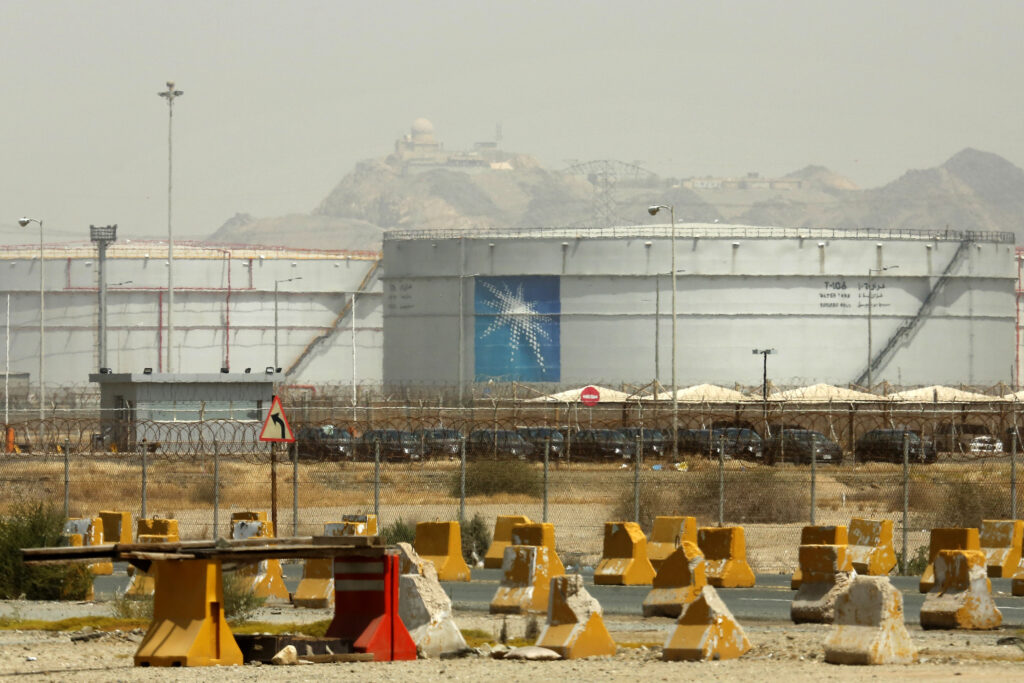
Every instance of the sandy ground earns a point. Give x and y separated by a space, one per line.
781 651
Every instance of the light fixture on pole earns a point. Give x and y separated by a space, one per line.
170 94
102 235
24 222
276 283
462 333
764 386
653 210
871 296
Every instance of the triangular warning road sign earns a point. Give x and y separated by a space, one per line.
276 427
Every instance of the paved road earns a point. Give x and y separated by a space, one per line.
769 600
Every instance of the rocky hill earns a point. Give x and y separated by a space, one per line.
973 190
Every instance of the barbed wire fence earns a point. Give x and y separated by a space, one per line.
200 472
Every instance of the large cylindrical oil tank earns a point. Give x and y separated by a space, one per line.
568 307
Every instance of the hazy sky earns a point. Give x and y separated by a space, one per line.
281 98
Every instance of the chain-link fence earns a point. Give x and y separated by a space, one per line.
920 466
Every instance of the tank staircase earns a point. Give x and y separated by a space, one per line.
908 327
346 310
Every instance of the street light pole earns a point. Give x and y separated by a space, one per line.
653 210
170 94
24 222
764 386
871 297
276 283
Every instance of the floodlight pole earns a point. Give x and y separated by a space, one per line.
170 94
764 386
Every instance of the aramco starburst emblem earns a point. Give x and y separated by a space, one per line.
525 324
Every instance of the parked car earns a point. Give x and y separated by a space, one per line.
538 437
981 445
739 442
957 438
396 445
325 442
694 441
439 442
800 445
601 444
887 445
488 443
655 441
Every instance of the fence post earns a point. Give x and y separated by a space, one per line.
145 478
721 480
906 496
814 481
216 488
547 454
295 488
1013 474
376 479
67 478
462 479
636 476
273 488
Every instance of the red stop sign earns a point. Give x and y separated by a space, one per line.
590 396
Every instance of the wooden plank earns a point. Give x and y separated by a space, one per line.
252 550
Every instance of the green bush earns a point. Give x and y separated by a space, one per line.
491 477
399 531
916 563
240 603
37 524
476 538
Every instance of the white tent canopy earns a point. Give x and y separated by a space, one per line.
943 394
606 395
704 393
822 393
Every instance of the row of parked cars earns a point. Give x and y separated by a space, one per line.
787 445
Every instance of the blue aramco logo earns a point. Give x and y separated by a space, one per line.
517 329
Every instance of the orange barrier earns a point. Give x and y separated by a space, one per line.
871 546
624 559
494 558
9 445
868 627
540 534
575 627
667 534
441 543
265 578
725 557
1001 542
678 582
826 571
705 630
525 581
946 539
818 535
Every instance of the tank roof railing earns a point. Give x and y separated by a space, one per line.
706 230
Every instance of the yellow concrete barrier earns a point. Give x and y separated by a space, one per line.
826 571
705 630
525 581
542 534
81 531
1001 543
264 577
316 589
441 543
624 558
667 534
946 538
725 556
868 627
678 582
961 597
150 530
574 627
818 535
188 627
871 546
495 556
117 526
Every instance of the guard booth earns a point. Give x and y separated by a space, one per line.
174 412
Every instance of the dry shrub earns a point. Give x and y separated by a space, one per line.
655 500
963 503
490 477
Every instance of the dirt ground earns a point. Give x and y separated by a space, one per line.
781 651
